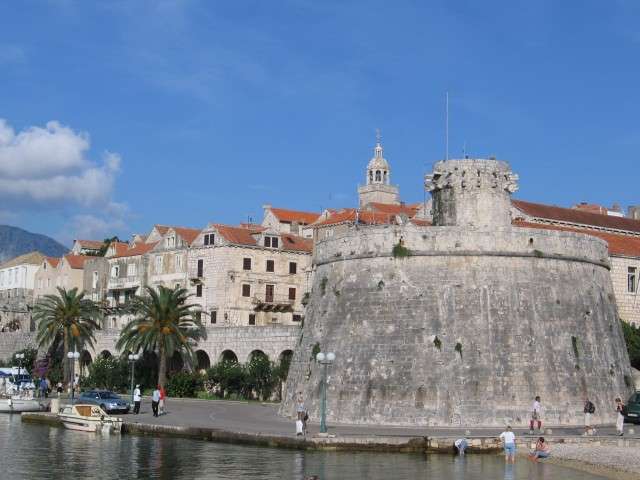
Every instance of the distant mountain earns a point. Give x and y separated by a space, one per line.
15 241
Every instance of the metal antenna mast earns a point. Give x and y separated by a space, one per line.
446 126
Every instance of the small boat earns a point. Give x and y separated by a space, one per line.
89 418
18 404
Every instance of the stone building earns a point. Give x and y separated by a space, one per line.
378 187
461 322
251 275
86 247
66 272
17 281
621 234
283 220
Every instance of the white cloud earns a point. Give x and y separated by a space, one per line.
50 165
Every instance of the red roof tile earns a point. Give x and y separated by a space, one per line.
137 249
187 234
237 235
294 242
625 245
349 215
53 261
569 215
77 261
393 209
289 216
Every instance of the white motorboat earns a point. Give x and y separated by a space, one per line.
89 418
19 404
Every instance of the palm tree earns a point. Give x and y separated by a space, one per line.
164 323
66 317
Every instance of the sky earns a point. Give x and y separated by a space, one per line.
117 115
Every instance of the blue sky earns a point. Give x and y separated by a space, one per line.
186 112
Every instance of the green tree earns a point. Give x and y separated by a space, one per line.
260 377
632 339
108 373
164 323
67 317
29 360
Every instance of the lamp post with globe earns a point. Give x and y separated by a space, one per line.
73 357
133 358
325 360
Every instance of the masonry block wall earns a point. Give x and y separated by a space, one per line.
628 302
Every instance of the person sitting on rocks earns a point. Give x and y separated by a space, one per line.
542 450
461 445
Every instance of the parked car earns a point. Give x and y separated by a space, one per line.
633 408
107 400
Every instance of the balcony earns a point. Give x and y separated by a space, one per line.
272 303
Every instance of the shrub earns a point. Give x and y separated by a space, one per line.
108 373
632 339
184 384
400 251
226 379
28 362
260 377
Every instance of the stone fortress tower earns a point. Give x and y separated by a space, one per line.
463 322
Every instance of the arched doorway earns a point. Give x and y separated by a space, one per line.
284 360
257 354
202 360
228 356
85 361
105 354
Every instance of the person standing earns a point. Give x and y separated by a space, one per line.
155 400
44 386
589 409
301 412
509 440
536 415
620 411
137 398
163 396
59 389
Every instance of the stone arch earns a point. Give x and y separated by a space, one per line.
284 359
228 356
105 354
202 360
175 363
85 361
257 353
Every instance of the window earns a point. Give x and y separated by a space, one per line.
268 293
271 242
200 268
246 264
128 295
94 280
158 264
199 290
270 266
632 280
378 176
178 262
252 319
209 238
292 294
198 316
246 290
297 318
293 268
48 283
116 297
214 316
132 270
171 242
114 322
115 271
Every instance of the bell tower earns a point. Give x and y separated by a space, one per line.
378 186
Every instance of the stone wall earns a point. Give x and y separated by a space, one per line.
11 342
466 329
628 302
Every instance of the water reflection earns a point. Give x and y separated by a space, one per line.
34 451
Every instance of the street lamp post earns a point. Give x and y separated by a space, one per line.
132 360
73 356
325 360
20 358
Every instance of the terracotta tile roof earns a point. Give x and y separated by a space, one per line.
121 248
390 208
77 261
237 235
586 207
162 229
625 245
348 215
569 215
289 216
91 244
187 234
254 227
31 258
137 249
420 222
294 242
53 261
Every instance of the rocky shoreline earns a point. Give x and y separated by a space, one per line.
615 462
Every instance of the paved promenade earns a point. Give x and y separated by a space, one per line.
257 418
